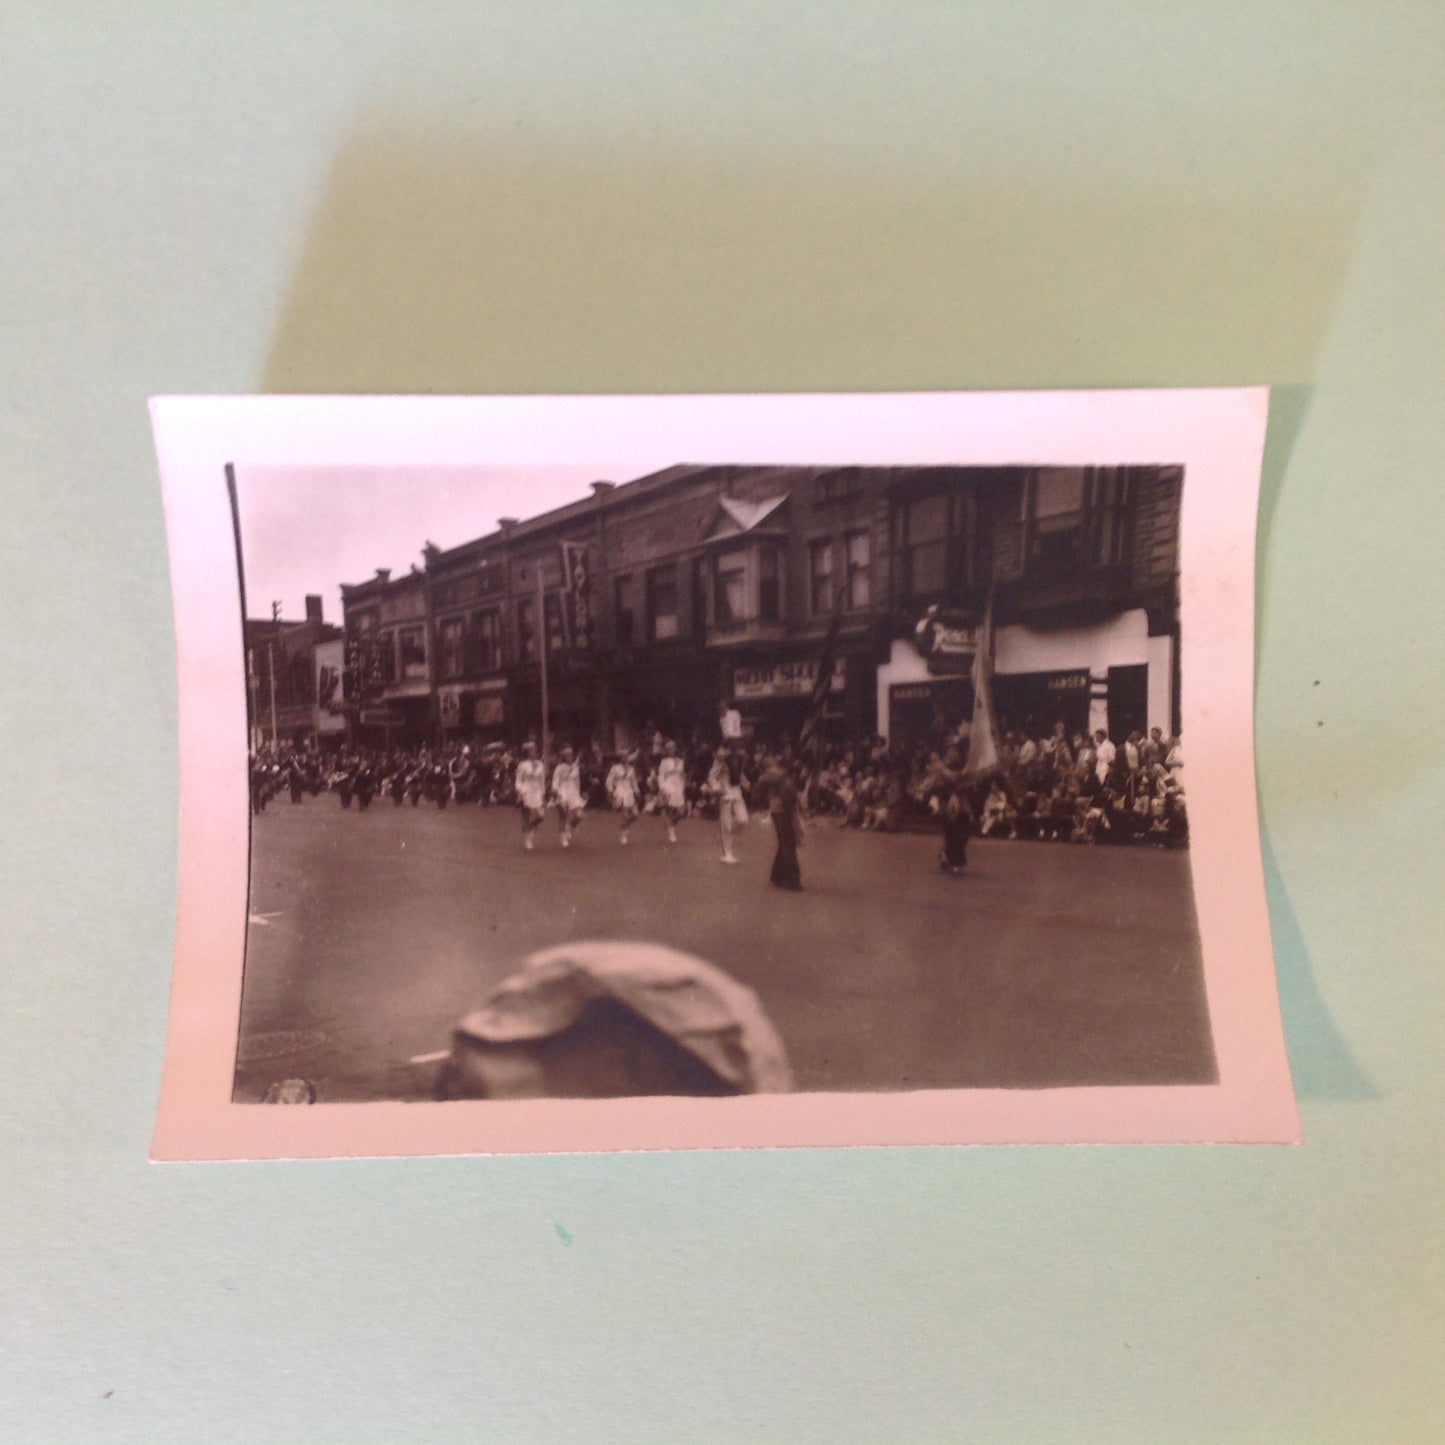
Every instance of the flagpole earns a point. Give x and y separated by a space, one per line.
541 635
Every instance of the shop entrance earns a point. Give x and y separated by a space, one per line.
1032 702
926 714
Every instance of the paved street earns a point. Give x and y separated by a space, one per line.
372 933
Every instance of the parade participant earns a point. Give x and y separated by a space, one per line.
671 787
622 791
531 790
956 813
781 792
567 794
726 779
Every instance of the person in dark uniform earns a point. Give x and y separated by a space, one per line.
956 813
780 789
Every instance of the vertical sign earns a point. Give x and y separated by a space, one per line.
577 596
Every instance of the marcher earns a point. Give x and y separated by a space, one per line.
781 791
953 808
727 780
622 792
671 787
531 787
567 794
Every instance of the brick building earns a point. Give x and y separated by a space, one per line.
657 599
287 697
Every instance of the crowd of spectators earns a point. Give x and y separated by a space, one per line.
1054 788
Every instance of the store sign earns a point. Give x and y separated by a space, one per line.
941 633
784 679
577 595
1068 681
488 712
946 640
449 706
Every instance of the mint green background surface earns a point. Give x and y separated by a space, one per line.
627 197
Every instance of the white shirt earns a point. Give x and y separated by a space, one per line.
531 782
670 778
567 784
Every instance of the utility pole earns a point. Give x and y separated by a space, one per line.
540 633
271 665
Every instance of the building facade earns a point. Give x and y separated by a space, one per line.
290 697
656 601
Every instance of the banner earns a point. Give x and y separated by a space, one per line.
577 596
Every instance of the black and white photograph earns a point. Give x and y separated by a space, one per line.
895 749
717 778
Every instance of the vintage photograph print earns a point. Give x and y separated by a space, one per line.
755 781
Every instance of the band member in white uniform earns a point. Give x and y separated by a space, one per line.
726 779
567 794
531 785
671 787
622 791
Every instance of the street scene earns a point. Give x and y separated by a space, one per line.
876 773
371 935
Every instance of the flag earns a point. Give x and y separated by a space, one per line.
983 736
811 737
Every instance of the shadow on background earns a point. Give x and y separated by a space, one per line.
450 266
1319 1060
447 266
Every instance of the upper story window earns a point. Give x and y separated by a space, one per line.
451 648
1075 518
487 641
748 585
386 656
624 610
858 550
923 524
820 577
662 622
770 585
411 650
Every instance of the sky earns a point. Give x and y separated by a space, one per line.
309 529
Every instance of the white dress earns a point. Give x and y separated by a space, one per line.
567 787
670 783
622 788
532 784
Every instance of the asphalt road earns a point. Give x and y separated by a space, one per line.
371 934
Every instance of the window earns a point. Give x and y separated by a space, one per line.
624 609
1108 517
482 649
858 546
662 604
451 643
527 629
820 577
731 590
769 585
411 644
386 652
925 545
1054 520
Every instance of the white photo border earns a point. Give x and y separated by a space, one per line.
1216 434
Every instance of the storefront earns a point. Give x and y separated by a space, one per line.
1116 675
474 711
775 698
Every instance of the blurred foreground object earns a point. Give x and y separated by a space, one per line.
615 1020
